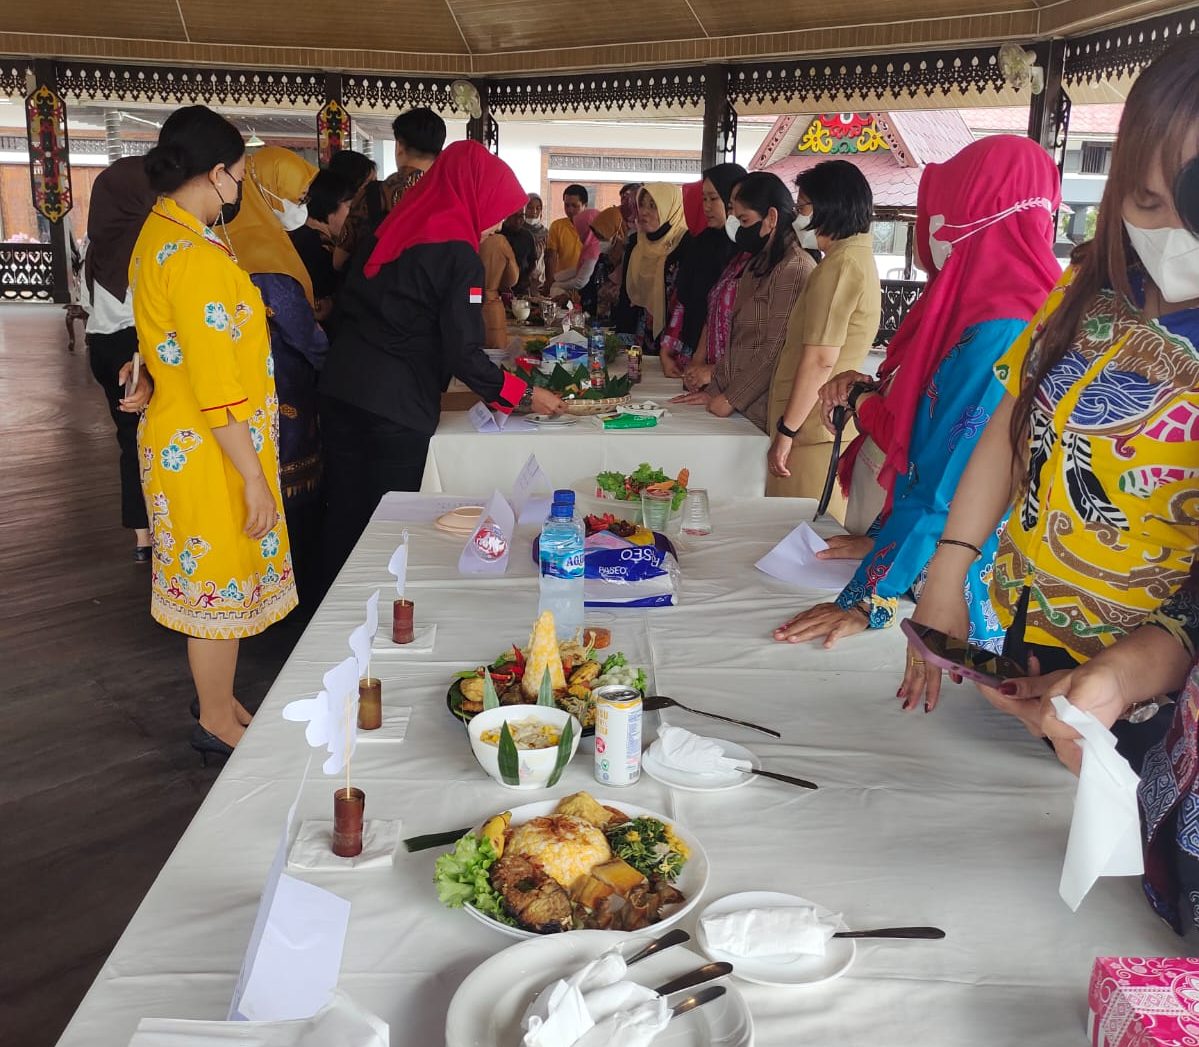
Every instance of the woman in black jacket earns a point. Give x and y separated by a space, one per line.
410 319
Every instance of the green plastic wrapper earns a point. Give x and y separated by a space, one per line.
630 421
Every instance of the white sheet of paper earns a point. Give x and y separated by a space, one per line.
414 507
264 905
332 715
340 1022
794 560
398 566
532 493
299 956
486 420
498 513
1105 832
360 638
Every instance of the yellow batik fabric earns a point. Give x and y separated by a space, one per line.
1105 529
202 329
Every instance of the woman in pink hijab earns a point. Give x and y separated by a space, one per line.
578 278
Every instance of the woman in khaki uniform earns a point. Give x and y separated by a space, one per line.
831 328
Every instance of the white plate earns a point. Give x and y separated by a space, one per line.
702 783
692 880
551 419
766 970
488 1006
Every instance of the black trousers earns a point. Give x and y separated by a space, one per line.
366 456
108 353
1133 740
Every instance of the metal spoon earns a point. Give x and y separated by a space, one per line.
803 783
653 702
709 972
713 992
667 941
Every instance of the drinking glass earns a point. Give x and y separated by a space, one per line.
697 516
549 312
655 509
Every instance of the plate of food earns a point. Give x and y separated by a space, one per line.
552 419
627 487
563 865
574 671
489 1005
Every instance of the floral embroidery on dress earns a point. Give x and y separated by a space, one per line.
169 351
216 316
232 591
174 455
194 550
269 543
241 316
169 249
257 422
270 365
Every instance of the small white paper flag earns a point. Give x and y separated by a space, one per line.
332 715
360 638
398 566
531 492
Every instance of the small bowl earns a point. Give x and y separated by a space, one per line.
521 309
536 765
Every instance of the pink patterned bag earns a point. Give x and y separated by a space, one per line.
1144 1002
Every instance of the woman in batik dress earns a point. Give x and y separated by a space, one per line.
207 444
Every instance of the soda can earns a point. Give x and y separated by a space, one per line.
617 735
634 354
596 366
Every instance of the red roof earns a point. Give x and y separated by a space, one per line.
892 185
1084 119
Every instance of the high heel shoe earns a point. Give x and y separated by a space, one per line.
208 744
141 553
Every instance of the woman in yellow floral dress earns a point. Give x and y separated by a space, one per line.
208 441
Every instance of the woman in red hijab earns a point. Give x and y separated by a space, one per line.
410 319
984 235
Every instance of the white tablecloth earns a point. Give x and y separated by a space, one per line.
958 819
725 455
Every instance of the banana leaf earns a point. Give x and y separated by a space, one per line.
509 759
545 691
565 741
491 700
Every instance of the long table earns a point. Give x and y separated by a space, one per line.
725 455
958 819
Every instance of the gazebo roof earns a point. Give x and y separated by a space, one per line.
510 38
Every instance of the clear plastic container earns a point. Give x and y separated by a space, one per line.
562 566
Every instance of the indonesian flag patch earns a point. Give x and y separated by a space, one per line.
476 296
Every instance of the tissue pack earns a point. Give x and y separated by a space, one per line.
1144 1001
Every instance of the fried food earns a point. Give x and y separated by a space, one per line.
472 689
597 637
585 806
566 847
585 673
531 895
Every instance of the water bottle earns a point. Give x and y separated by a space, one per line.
561 560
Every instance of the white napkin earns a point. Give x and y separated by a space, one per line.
423 639
313 847
679 748
1105 832
776 931
395 725
794 560
593 1006
340 1022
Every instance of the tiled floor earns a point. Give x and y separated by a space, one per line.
97 780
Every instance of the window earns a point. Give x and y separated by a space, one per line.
1096 158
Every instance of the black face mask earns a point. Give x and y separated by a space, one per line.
750 238
229 210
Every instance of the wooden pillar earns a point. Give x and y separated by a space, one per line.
50 168
1049 112
483 128
720 119
333 127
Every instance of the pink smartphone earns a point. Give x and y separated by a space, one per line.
959 656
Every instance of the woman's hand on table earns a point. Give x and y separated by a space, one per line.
545 402
261 512
720 406
847 547
946 613
670 364
141 394
697 377
825 621
777 456
698 399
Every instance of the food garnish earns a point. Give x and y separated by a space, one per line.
628 488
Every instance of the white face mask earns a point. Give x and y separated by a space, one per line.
1171 257
807 237
292 215
802 221
731 225
939 249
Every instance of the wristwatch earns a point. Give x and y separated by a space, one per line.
1142 712
781 426
855 393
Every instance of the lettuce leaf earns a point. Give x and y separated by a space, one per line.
464 875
